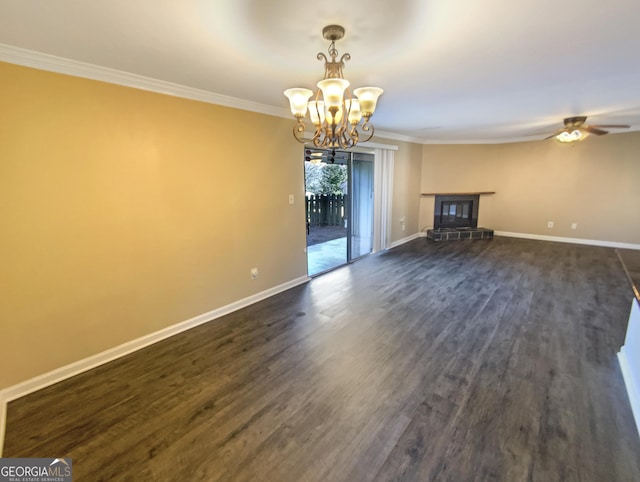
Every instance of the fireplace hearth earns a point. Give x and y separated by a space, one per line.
455 234
455 217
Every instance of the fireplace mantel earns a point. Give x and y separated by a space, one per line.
479 193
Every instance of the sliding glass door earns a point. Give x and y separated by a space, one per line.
361 225
339 207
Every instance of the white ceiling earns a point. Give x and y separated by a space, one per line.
452 70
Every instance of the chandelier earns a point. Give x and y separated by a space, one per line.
334 112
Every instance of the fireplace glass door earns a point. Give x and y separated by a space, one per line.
456 211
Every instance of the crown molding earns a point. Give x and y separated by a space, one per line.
61 65
398 137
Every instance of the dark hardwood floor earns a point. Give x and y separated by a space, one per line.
458 361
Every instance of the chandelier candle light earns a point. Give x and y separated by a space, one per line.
334 112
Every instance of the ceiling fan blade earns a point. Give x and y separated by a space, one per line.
574 121
593 130
556 133
612 126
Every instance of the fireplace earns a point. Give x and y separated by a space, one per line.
455 216
456 211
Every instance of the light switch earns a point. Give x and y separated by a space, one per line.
290 198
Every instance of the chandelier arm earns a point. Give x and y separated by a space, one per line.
334 69
327 69
354 135
346 141
367 127
318 139
298 131
339 138
334 138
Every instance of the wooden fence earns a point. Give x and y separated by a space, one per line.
326 210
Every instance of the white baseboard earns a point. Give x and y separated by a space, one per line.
47 379
404 240
633 390
560 239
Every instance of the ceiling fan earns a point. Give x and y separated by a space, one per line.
575 129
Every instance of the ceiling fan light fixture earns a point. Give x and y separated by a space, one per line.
575 129
334 111
570 136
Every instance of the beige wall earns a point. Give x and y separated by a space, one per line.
594 183
124 212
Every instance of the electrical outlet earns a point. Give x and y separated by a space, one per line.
254 273
574 225
549 224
